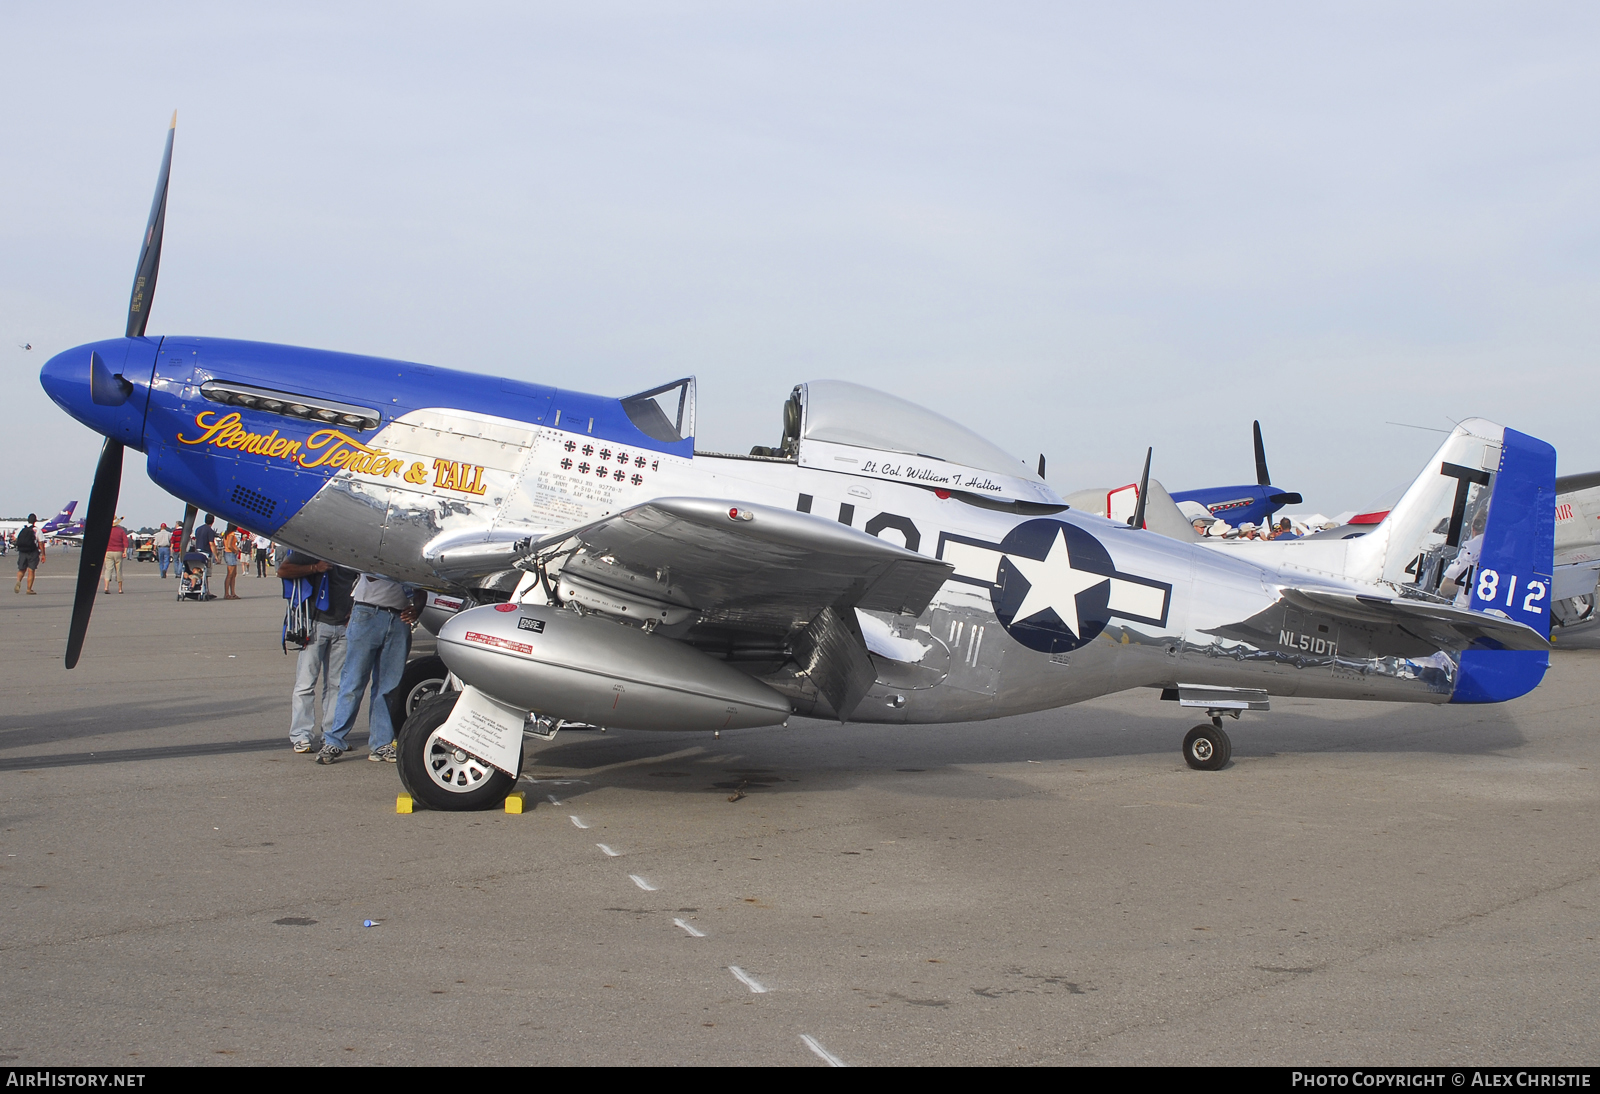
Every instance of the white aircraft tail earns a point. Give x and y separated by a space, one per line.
1475 531
1483 474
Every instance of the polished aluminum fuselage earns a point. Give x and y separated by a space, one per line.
1224 621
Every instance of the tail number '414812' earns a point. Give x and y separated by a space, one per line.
1489 591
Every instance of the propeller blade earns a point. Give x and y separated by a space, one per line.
1041 465
96 532
144 279
1285 499
1262 478
1137 520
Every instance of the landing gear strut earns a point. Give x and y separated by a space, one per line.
1207 748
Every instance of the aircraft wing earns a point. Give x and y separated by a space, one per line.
1441 625
749 576
749 565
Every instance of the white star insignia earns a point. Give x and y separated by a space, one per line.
1054 584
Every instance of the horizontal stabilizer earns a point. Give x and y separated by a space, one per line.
1443 626
1576 579
1571 484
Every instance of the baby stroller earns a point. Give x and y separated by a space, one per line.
193 579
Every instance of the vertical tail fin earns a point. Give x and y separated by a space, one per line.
1448 505
61 519
1512 573
1515 561
1478 526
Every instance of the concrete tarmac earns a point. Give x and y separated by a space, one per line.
1365 884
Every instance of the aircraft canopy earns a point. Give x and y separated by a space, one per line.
839 412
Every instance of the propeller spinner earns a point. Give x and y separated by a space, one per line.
109 389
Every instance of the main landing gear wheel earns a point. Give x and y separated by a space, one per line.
424 678
1207 748
441 776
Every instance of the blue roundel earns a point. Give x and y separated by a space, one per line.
1053 588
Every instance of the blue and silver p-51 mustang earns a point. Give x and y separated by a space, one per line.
879 563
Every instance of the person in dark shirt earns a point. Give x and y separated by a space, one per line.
205 536
379 639
28 551
323 658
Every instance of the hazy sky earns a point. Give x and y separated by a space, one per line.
1078 230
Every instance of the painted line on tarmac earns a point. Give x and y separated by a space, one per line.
551 798
747 980
160 752
828 1057
682 753
755 986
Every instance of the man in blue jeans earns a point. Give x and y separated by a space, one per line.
322 657
376 642
163 542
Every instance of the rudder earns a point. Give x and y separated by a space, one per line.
1511 575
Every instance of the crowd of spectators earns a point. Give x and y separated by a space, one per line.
1209 527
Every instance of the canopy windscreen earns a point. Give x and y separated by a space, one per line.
846 413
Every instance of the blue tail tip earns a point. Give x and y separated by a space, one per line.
1493 676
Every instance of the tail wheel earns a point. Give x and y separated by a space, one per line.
437 774
1207 748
